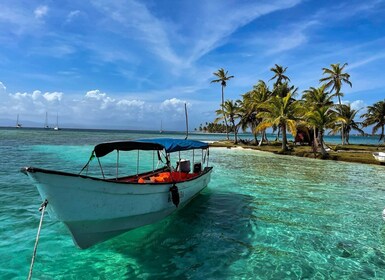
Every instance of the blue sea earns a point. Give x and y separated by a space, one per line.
263 216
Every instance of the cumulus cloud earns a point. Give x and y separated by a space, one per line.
98 100
124 103
53 96
94 108
96 94
40 11
173 104
38 96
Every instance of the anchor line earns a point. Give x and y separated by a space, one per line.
41 209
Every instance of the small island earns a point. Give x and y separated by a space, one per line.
359 153
308 118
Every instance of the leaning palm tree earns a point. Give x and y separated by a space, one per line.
321 118
250 104
223 78
315 98
347 114
248 115
282 112
375 116
334 80
230 109
279 74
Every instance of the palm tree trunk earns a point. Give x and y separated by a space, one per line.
224 115
315 142
235 131
284 138
262 137
323 151
342 124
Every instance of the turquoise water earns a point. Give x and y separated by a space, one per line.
263 216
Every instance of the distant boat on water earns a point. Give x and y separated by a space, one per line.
380 156
18 125
46 126
57 122
161 127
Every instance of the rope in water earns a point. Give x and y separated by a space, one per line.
41 209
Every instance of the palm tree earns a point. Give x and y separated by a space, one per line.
248 115
250 107
334 79
222 78
279 74
375 116
315 98
230 109
282 112
347 114
321 118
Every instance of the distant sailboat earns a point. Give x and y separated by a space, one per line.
161 127
18 125
46 121
57 123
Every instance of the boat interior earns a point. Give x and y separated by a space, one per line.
164 175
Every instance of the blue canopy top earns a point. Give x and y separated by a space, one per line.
168 144
175 145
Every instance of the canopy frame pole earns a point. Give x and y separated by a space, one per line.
137 164
117 164
208 157
101 168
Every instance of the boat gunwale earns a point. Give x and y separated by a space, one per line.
114 180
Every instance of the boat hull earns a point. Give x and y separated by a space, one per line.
380 156
95 210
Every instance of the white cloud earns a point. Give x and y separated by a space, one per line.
72 16
125 103
368 59
135 17
3 89
224 20
53 96
40 11
358 105
96 94
97 100
173 105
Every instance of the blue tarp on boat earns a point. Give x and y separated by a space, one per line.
175 145
168 144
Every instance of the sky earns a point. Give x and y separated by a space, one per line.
125 64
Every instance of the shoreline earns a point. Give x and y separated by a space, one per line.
347 153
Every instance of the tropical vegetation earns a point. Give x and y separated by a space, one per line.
278 108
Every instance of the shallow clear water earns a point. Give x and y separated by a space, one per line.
262 216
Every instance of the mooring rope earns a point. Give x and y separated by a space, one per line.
41 209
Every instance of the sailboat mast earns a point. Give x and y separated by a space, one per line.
185 110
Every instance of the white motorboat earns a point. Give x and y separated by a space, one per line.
95 209
379 156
